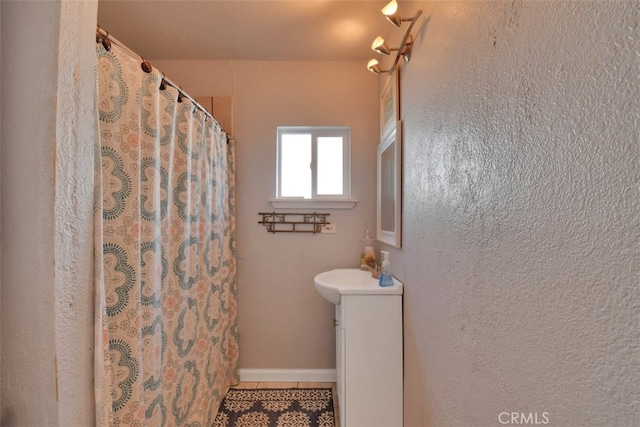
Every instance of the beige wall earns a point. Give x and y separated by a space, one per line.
48 98
283 322
28 356
521 210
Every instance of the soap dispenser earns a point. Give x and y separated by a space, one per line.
386 279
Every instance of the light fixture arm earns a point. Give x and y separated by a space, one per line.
403 44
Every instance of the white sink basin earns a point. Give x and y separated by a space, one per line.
349 281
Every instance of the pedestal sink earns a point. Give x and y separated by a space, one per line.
351 281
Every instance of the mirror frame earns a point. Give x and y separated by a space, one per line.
389 105
389 183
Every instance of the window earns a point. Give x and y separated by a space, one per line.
313 166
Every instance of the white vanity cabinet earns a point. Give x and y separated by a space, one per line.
369 360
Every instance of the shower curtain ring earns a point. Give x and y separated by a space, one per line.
146 67
104 40
163 83
106 43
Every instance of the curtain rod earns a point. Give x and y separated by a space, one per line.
103 36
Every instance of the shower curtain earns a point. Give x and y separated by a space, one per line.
166 330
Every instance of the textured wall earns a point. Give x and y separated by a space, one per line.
283 322
76 129
47 128
28 340
521 213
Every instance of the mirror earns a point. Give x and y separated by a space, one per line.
389 176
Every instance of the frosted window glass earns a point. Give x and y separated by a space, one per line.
329 169
313 163
295 165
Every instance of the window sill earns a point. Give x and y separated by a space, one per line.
313 204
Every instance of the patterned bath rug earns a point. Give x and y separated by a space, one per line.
268 407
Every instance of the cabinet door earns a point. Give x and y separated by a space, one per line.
372 347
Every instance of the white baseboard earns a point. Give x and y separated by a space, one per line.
288 375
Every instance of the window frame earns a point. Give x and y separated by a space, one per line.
316 200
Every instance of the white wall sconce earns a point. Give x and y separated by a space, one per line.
381 46
374 67
390 11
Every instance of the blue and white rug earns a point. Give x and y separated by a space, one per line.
289 407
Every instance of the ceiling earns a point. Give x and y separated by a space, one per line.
324 30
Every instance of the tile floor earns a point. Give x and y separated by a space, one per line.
254 385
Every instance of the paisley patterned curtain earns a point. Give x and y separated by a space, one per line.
166 330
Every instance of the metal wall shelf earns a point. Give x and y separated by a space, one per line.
293 222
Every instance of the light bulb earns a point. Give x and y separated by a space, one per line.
390 9
374 66
380 46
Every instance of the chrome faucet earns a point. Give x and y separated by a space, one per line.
375 272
